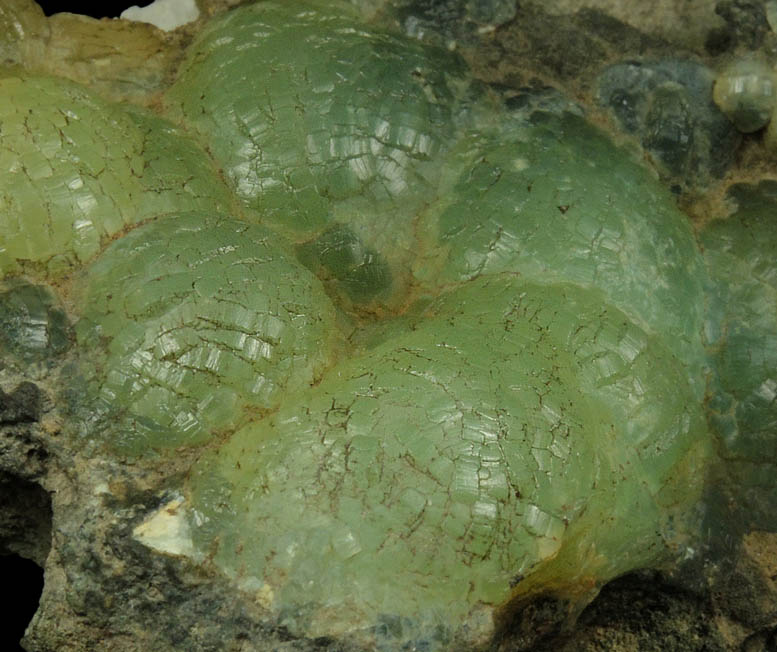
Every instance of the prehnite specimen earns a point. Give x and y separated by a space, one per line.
445 356
189 318
77 170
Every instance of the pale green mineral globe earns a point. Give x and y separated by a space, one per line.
340 130
75 170
188 320
294 127
552 199
516 428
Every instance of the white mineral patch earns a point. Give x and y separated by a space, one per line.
263 592
167 530
165 14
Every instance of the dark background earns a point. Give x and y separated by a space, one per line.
90 8
23 583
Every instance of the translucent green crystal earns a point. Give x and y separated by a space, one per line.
342 127
339 257
505 431
346 112
191 318
75 169
554 200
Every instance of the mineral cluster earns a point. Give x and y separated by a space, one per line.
394 354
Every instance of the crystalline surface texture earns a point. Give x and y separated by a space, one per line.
191 317
554 200
342 127
516 428
531 423
526 417
75 170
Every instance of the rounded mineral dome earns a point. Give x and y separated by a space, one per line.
745 92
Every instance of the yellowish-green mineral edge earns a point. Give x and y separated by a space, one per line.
76 170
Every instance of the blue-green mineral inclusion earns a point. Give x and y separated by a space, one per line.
455 355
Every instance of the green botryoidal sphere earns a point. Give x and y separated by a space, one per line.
293 127
746 91
515 430
188 320
551 198
76 170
